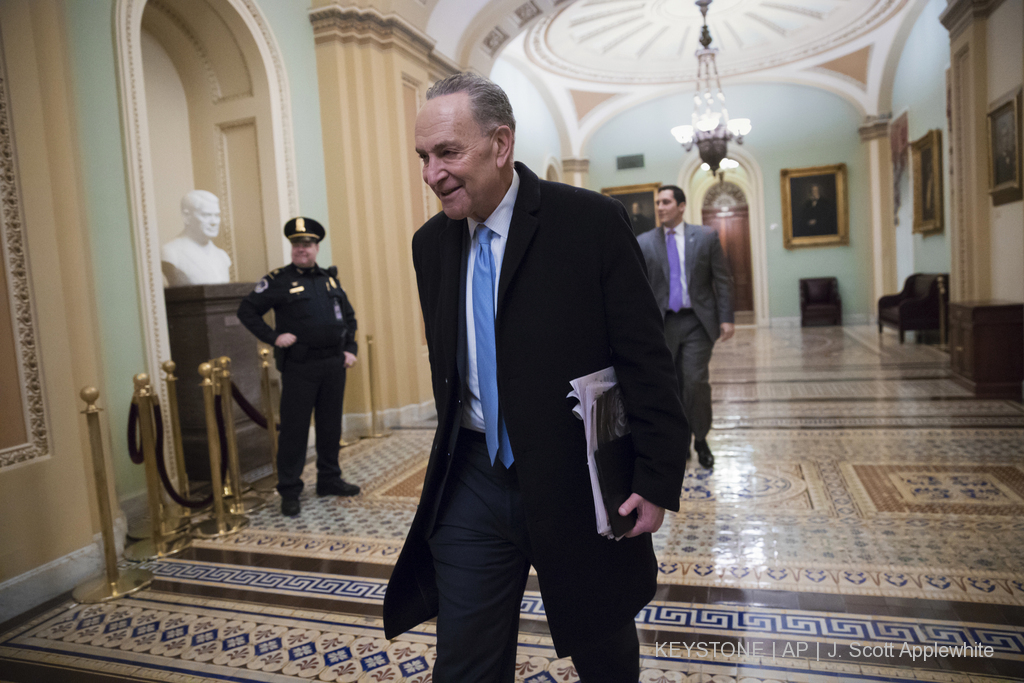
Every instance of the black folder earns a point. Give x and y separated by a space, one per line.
615 460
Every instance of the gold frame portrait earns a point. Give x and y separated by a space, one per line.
1009 141
636 193
926 165
794 184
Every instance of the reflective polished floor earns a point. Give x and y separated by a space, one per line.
863 522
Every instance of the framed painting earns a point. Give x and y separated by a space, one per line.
926 168
639 203
814 207
1004 149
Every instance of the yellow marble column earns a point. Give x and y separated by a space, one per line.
874 133
970 247
575 171
373 71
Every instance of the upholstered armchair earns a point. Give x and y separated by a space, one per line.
916 308
819 302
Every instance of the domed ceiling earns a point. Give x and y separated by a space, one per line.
635 42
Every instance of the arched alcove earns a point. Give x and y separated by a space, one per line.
239 139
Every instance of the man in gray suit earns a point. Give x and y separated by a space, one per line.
693 287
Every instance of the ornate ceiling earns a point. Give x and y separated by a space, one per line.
635 42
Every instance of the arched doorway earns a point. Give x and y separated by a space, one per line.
725 209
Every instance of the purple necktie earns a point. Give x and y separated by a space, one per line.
675 281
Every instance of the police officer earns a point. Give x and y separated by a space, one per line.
314 343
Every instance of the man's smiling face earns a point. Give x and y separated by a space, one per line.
462 164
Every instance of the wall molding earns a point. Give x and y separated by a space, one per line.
23 318
352 24
959 14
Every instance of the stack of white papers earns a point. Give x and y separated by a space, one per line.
599 428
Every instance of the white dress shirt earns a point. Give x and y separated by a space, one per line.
681 248
499 222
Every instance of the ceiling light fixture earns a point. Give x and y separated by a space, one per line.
712 128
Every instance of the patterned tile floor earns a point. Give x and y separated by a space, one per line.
864 512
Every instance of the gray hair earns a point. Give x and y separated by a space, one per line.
490 104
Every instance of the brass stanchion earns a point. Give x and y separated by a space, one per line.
182 513
238 503
112 584
943 339
160 543
222 523
376 430
268 483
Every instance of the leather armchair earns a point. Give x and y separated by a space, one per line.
819 302
916 308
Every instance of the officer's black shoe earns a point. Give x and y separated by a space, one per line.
336 487
704 456
290 507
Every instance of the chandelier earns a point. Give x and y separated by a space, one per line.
712 128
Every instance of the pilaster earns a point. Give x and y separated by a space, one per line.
874 133
576 171
373 72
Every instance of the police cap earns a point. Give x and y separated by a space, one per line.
303 228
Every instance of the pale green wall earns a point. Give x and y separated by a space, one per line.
289 20
91 43
105 190
536 134
793 126
919 88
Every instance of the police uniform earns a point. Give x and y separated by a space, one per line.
310 304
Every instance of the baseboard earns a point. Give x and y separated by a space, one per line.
21 593
789 321
358 425
856 319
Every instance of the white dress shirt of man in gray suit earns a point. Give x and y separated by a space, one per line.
698 312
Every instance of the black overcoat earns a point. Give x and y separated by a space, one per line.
573 298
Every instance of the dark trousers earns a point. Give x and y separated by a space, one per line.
691 354
313 385
481 551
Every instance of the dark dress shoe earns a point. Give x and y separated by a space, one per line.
290 507
704 456
338 487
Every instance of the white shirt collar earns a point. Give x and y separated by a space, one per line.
501 218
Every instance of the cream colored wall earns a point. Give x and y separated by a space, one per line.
373 74
1005 51
47 505
167 113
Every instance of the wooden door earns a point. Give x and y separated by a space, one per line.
733 226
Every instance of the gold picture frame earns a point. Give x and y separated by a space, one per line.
815 217
1004 149
641 196
926 165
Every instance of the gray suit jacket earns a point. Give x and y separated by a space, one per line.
708 278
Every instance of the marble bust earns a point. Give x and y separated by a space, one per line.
192 258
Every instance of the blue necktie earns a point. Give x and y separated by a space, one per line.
486 358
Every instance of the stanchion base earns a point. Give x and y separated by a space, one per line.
100 590
146 550
248 503
210 528
267 484
343 443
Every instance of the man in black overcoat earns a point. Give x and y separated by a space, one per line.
507 485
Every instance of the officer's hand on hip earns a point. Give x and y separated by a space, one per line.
285 340
350 359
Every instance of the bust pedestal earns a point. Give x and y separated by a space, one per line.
203 325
